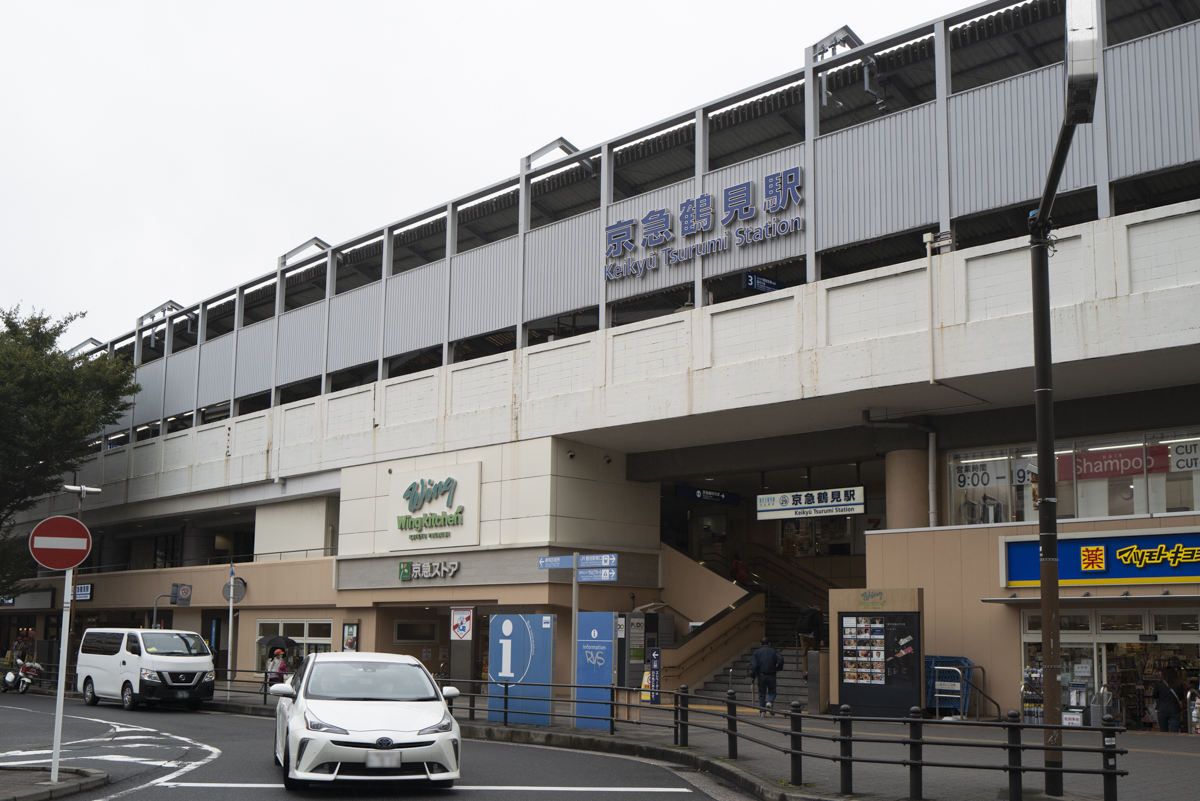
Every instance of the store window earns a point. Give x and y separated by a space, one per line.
1123 622
1133 474
1116 656
309 636
1173 622
1073 622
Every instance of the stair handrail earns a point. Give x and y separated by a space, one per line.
809 576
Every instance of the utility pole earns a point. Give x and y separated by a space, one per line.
1083 55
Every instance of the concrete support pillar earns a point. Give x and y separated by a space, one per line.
906 475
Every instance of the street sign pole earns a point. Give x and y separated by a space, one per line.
229 650
62 546
62 675
574 631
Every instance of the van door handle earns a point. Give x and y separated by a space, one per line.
122 662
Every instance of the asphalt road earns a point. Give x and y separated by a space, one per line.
164 753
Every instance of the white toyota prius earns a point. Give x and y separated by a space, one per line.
364 717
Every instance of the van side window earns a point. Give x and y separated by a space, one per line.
112 644
93 643
132 645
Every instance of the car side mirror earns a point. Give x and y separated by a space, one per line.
449 692
282 690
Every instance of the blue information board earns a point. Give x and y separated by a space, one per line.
1120 559
595 666
597 574
522 653
655 675
585 560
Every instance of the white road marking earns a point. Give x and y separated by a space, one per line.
500 787
136 732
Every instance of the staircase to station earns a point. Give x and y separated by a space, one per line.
735 674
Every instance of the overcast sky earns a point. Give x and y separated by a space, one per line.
155 151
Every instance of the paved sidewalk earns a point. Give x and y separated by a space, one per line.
1163 767
33 783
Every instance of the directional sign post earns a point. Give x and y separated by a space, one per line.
61 543
599 567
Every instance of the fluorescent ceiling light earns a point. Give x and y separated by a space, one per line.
1171 441
988 459
1034 455
1116 447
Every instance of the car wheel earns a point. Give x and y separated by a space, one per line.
128 701
89 693
288 782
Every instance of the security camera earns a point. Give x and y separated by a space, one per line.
570 454
608 460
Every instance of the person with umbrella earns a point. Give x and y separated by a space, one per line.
277 667
277 646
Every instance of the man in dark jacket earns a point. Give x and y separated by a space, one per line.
1168 701
764 664
811 630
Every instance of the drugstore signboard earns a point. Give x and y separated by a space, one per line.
1118 558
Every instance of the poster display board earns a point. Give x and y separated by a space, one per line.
522 654
879 668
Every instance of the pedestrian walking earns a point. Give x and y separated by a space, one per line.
810 630
764 664
1168 701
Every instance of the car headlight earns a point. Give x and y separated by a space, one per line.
150 675
446 725
316 724
210 675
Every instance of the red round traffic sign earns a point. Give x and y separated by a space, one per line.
60 543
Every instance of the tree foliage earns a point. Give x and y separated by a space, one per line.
52 407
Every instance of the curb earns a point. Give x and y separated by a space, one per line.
87 779
235 709
736 776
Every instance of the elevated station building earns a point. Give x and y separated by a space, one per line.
819 283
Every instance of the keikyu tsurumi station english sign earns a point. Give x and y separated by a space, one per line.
660 247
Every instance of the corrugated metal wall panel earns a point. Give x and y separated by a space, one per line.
876 179
1002 139
147 406
354 327
181 381
416 303
216 360
300 335
563 266
1153 97
255 346
662 277
483 289
788 246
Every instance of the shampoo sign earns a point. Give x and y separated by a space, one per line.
436 508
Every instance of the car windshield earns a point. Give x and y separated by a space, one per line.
174 644
369 681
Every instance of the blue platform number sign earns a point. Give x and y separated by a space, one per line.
655 675
521 654
595 663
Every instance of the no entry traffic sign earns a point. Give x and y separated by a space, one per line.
60 543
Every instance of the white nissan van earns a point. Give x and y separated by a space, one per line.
144 666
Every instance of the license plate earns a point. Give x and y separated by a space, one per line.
181 693
383 759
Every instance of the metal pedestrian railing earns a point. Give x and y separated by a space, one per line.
915 745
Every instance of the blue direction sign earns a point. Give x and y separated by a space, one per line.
598 574
585 560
